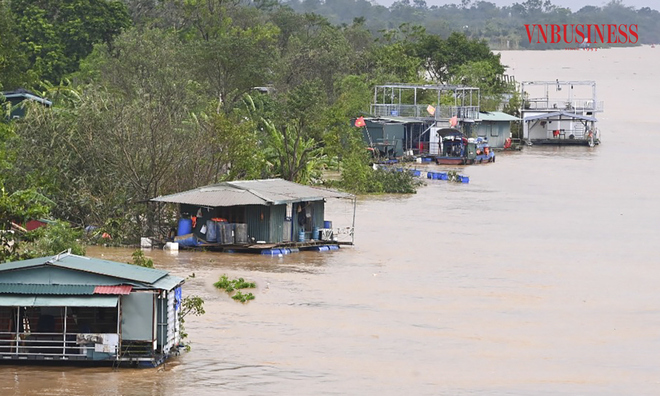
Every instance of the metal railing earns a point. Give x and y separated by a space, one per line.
421 111
566 105
63 345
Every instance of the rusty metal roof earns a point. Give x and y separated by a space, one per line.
251 192
118 289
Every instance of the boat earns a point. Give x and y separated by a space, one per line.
459 150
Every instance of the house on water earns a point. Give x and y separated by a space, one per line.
71 308
257 215
494 126
406 118
560 112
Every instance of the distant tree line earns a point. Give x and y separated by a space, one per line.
501 27
154 97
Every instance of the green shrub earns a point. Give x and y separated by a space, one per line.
52 239
141 260
230 285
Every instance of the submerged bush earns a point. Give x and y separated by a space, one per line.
230 285
141 260
359 177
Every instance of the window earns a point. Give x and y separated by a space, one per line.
483 130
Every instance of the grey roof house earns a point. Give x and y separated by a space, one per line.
251 214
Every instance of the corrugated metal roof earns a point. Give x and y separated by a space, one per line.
91 265
25 94
213 196
118 289
24 263
281 191
168 283
496 116
560 114
33 289
58 301
251 192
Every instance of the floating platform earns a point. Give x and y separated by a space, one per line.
560 142
150 361
271 248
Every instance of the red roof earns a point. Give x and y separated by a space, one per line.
117 289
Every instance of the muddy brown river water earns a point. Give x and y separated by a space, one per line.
540 277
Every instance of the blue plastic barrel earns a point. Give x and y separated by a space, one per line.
327 224
185 227
301 235
315 233
465 179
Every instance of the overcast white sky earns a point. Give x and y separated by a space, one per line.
572 4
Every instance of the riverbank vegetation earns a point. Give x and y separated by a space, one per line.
151 98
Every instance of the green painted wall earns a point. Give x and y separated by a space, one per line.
277 217
137 317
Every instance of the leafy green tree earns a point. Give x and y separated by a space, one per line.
234 63
445 57
52 239
236 149
295 157
58 34
312 50
487 77
17 208
342 138
13 62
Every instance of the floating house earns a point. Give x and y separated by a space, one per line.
255 215
495 127
406 118
71 308
560 112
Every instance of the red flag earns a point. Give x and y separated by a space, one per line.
453 121
359 122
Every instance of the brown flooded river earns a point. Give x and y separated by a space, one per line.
540 277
